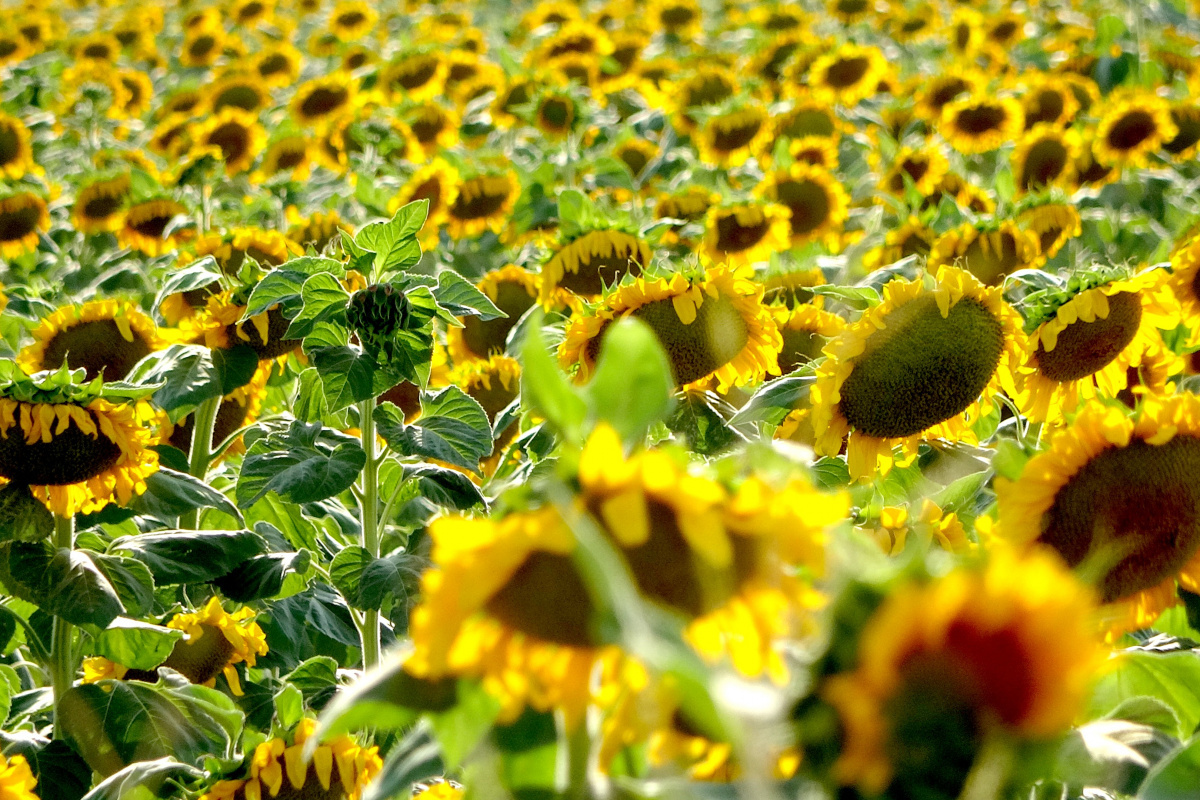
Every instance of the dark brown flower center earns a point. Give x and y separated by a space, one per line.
232 139
407 397
547 599
1135 507
415 72
70 457
275 346
846 72
597 271
922 368
202 45
484 337
495 397
735 131
1044 162
556 113
708 90
1188 123
479 198
202 659
273 65
1131 130
807 201
946 91
980 119
322 101
97 347
151 226
989 264
1084 348
1047 105
244 97
10 145
799 348
102 206
18 223
734 237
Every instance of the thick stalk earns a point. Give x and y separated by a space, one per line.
369 633
62 652
204 419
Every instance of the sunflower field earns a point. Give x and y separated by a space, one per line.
599 400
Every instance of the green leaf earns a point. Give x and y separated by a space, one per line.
316 678
191 556
347 375
528 753
445 487
1175 777
1010 459
1173 678
324 300
280 287
262 577
63 582
417 757
463 726
460 297
346 572
236 366
701 425
309 402
135 644
197 275
394 242
859 298
315 265
143 780
305 463
61 773
453 427
187 372
546 390
386 699
22 516
632 386
131 579
1112 754
289 705
774 400
170 494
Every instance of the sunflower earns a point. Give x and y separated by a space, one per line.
436 182
925 166
317 230
514 290
482 202
912 238
202 46
849 74
251 12
219 324
793 287
713 329
236 136
990 253
555 114
16 150
238 91
418 76
171 135
278 65
805 330
1045 156
104 337
979 123
351 20
22 217
729 139
589 263
1090 171
17 780
268 248
1184 146
636 153
923 364
1049 99
1007 648
708 85
814 197
290 154
13 49
134 102
938 91
494 383
680 18
1087 340
146 223
320 100
1133 124
98 206
932 526
76 457
745 233
817 151
1054 224
435 126
239 408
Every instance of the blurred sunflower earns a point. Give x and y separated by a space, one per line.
817 151
714 329
932 526
76 457
237 90
979 123
815 199
805 330
1048 99
23 216
202 46
556 113
849 74
98 205
924 166
707 85
231 249
1045 156
146 227
1186 117
1008 648
17 780
316 230
16 149
239 408
923 364
339 770
792 287
1114 497
730 138
745 233
809 115
1090 171
911 238
220 326
680 18
289 154
514 290
586 264
989 251
635 153
480 203
1088 337
1054 224
351 20
1133 124
436 182
938 91
104 337
320 100
436 126
278 65
235 136
417 76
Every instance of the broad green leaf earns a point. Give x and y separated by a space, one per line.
394 242
61 773
324 300
452 428
315 265
461 298
309 402
346 572
317 679
191 556
187 372
1009 460
774 400
130 578
170 494
632 386
305 463
1175 777
135 644
546 390
347 375
704 429
1112 754
445 487
464 725
859 298
197 275
289 705
1173 678
278 287
143 780
528 753
262 577
64 583
22 516
235 366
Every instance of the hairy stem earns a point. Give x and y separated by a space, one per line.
369 633
205 418
62 652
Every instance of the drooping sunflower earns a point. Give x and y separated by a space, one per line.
1010 648
714 329
805 330
514 290
989 251
146 224
16 149
481 202
98 205
239 408
1089 336
103 337
1133 124
221 329
729 139
1184 146
339 770
23 216
792 287
849 74
1113 496
586 264
912 238
1053 223
745 233
316 230
979 123
17 780
816 200
1045 156
320 100
922 365
234 135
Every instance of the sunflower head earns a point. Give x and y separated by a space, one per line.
587 264
729 138
990 253
979 122
849 74
1133 124
481 202
16 150
103 337
23 216
1045 156
815 199
513 290
376 314
214 641
100 204
17 779
745 233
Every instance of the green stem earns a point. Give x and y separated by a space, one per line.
62 653
204 420
369 633
579 747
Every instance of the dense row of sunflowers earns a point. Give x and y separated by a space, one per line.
780 398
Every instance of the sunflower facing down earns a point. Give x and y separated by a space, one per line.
77 458
1008 649
923 364
23 217
339 770
816 200
713 329
745 233
514 291
589 263
1087 346
1114 496
1054 224
990 254
104 337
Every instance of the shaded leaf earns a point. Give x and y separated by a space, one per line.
453 427
191 556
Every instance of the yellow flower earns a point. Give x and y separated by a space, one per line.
22 217
352 19
481 203
16 150
218 324
317 230
590 263
689 204
202 46
278 65
1045 156
438 789
1048 99
145 228
991 255
932 526
322 99
1185 284
1054 224
77 458
436 182
1114 496
981 122
730 139
417 76
268 248
817 201
1092 340
746 233
16 779
98 206
713 329
233 135
104 337
923 364
1009 648
214 642
514 291
289 153
805 331
849 74
1133 124
924 166
1186 116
